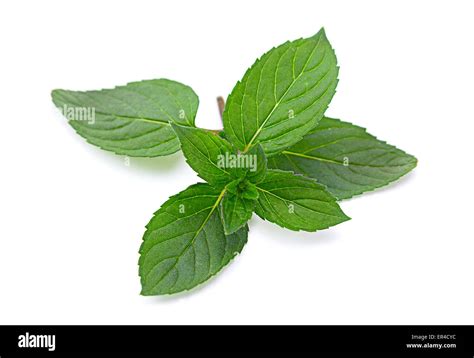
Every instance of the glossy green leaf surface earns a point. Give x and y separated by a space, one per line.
206 153
236 211
282 96
131 120
297 203
185 244
345 158
215 160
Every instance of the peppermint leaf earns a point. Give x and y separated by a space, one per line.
345 158
243 188
216 161
256 172
131 120
206 152
185 244
297 203
236 211
282 96
250 192
251 166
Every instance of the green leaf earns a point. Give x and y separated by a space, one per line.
345 158
215 160
251 166
283 95
131 120
236 211
185 244
250 192
256 173
244 188
297 203
205 153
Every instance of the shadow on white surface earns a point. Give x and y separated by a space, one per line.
156 164
166 163
281 236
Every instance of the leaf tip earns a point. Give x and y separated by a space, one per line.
321 32
345 217
55 95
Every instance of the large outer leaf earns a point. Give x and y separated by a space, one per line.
345 158
133 119
296 202
283 95
184 244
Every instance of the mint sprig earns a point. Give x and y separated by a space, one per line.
278 156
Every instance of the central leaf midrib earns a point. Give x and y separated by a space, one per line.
132 118
260 128
296 203
332 161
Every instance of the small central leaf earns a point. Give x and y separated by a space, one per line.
216 160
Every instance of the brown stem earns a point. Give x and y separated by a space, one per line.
221 105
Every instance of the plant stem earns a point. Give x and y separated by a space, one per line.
221 105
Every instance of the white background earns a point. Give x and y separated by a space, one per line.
72 216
